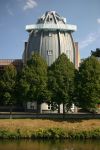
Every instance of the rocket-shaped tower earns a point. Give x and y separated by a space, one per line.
50 37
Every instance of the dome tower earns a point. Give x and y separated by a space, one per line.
50 37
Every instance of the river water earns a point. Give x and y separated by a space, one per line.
50 145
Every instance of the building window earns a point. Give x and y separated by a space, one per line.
49 52
68 53
50 34
49 106
50 19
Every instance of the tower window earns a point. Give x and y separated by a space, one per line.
50 34
68 53
49 52
50 19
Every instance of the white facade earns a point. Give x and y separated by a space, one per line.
47 108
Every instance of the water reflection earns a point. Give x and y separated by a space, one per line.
49 145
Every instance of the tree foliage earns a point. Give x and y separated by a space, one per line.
55 84
88 83
7 85
33 80
96 53
61 81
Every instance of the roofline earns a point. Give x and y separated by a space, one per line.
51 27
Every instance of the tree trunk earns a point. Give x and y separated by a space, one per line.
11 111
58 108
63 110
38 108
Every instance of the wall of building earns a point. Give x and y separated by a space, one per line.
47 108
16 62
50 44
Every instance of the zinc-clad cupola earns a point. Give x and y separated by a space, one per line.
51 17
50 37
51 21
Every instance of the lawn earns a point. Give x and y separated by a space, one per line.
34 124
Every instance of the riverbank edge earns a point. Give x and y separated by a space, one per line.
50 133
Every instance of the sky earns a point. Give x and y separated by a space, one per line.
16 14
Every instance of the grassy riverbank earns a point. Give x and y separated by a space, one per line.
42 128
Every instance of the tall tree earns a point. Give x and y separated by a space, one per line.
7 85
1 90
33 81
61 81
96 53
88 83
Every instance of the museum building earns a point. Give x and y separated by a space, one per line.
50 37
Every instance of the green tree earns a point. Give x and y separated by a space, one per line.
96 53
1 90
61 81
88 84
7 86
33 81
